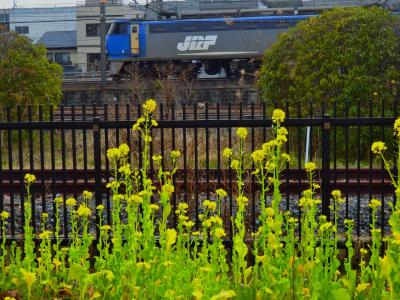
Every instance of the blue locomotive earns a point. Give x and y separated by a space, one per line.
202 44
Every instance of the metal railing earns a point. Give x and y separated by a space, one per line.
69 156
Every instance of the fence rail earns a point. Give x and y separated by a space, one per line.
69 156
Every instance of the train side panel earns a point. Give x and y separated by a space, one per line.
212 40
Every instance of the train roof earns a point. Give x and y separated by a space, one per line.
234 19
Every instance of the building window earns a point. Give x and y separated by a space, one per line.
22 29
62 58
93 62
94 29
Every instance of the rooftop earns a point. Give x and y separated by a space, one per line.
58 39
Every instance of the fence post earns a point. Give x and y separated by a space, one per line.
97 166
326 173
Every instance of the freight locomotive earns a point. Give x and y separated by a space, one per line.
206 45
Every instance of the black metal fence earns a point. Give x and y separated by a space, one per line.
67 153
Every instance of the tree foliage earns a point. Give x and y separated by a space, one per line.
343 54
26 75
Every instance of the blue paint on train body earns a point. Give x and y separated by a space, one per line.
118 42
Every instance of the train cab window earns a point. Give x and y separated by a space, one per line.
118 28
134 29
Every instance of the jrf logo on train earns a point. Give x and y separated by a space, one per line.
197 42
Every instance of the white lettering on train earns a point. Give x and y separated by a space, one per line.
197 42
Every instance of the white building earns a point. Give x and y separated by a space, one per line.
34 22
88 29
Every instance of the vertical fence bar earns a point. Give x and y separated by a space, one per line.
1 174
84 141
370 163
346 142
326 166
128 136
21 166
196 165
97 166
382 213
64 172
107 146
219 175
207 154
42 166
358 170
53 164
31 164
230 175
74 160
173 148
253 182
396 162
10 171
287 163
185 182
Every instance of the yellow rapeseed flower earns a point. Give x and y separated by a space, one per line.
235 164
70 202
258 156
336 193
4 215
45 234
278 116
211 205
84 211
150 105
220 232
224 295
87 195
396 127
241 132
113 154
285 157
326 226
227 153
56 263
310 166
59 200
362 287
168 188
135 199
378 147
216 220
29 178
282 131
171 238
154 207
242 200
28 277
157 158
123 149
188 224
100 207
175 154
221 192
374 204
105 227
